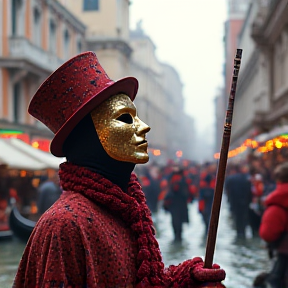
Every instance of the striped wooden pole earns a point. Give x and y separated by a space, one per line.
214 218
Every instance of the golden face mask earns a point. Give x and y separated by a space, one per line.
120 131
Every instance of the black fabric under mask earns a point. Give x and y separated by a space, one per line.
83 147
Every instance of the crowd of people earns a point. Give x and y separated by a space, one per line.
174 186
257 195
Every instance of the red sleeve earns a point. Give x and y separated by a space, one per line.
273 223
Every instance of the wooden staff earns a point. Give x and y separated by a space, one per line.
214 218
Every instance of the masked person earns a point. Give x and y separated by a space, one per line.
99 233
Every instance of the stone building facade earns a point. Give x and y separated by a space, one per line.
36 38
41 34
261 104
160 99
236 15
107 32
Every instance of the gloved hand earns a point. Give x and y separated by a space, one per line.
191 273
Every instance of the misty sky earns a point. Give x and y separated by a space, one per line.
188 35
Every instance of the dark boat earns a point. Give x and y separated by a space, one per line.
20 226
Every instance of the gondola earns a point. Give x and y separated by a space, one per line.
20 226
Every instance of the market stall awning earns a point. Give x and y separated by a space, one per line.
261 138
46 158
16 159
278 131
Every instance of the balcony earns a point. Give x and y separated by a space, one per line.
21 49
271 17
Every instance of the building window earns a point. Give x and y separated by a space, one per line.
37 27
52 37
79 47
17 104
66 44
91 5
16 6
238 6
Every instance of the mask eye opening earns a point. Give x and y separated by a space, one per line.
126 118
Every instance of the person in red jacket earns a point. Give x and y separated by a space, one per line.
206 194
99 233
274 227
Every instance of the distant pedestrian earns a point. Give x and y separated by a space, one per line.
48 192
238 187
206 194
230 171
193 182
255 207
151 187
176 202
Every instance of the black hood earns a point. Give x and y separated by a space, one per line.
83 147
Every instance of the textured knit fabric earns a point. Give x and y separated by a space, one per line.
96 235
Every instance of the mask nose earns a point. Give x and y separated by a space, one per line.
142 128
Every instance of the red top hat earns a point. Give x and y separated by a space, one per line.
73 91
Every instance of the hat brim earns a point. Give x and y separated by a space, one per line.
128 86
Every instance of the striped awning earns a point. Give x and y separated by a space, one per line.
16 154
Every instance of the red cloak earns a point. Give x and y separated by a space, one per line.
96 235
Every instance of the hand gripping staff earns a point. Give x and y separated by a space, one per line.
214 218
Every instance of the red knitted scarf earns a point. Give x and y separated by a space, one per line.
130 207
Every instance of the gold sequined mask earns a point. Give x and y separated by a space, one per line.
120 131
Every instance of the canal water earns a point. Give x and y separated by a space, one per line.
241 261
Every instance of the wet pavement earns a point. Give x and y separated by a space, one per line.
242 261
